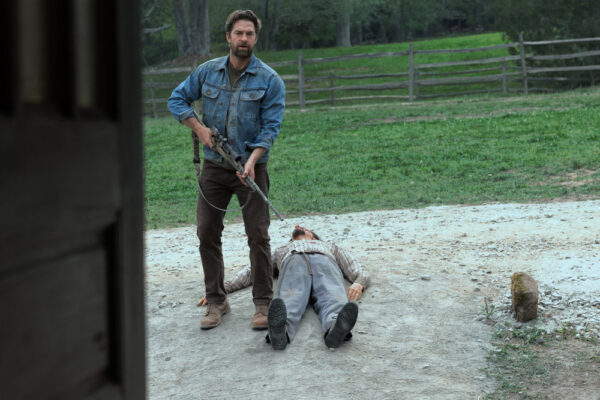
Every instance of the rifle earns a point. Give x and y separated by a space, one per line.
221 146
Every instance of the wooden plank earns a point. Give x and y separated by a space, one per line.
411 72
106 392
564 69
459 93
281 63
165 71
301 80
322 101
374 86
364 76
461 72
557 79
523 62
160 85
465 80
58 312
504 77
471 50
332 85
70 169
545 42
162 100
565 56
355 57
469 62
126 239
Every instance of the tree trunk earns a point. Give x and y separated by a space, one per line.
183 37
400 34
199 27
342 38
270 29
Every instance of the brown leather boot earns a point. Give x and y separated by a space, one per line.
213 315
259 320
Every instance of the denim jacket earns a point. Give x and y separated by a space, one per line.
255 103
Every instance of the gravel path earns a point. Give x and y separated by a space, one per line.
420 331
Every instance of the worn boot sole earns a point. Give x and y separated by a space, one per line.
277 317
343 325
205 327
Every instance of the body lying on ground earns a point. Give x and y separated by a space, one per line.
311 271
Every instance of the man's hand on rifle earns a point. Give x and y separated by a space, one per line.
204 134
249 166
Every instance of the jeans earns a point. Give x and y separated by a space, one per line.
218 185
314 279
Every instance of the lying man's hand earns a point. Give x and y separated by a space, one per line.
202 302
355 291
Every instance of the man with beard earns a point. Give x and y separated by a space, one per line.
244 99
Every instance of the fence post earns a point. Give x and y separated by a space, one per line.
411 71
152 99
331 92
301 82
523 66
504 89
416 84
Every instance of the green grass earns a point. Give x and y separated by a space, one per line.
389 156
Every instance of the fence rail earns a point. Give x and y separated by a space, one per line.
508 70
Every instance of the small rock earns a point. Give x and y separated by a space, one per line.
425 278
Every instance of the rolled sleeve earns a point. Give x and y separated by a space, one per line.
272 107
182 97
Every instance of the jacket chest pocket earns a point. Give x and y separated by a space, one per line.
250 103
210 97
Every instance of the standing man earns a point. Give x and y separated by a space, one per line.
244 99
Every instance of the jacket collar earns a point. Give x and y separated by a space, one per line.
252 67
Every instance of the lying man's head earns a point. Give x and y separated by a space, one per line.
301 233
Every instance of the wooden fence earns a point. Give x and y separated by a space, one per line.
503 74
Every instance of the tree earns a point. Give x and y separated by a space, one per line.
270 16
552 19
342 29
181 26
199 27
158 31
193 33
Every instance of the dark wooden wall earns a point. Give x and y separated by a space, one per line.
71 201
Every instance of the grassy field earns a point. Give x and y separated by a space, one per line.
458 151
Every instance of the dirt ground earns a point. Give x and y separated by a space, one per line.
421 331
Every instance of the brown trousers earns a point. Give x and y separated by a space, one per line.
218 185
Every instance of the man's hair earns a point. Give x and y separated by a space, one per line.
300 232
239 15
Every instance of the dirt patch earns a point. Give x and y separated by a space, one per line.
422 330
572 179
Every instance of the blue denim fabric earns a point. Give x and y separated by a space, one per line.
255 103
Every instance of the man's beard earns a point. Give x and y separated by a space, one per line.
242 53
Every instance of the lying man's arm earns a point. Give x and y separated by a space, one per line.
354 271
241 280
